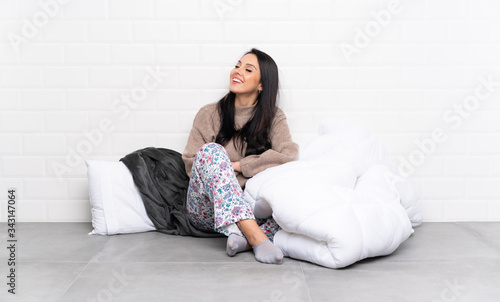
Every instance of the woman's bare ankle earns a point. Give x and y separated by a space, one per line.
256 238
252 232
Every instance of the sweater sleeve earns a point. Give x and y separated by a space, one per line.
283 149
201 133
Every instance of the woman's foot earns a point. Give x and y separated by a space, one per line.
265 251
236 244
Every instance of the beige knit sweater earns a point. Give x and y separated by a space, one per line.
206 126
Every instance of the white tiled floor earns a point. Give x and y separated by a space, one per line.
60 262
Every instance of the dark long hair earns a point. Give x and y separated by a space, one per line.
256 131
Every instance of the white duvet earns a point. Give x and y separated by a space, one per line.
343 200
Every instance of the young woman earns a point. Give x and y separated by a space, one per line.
232 140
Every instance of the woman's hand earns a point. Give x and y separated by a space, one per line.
236 166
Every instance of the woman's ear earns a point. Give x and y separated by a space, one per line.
260 87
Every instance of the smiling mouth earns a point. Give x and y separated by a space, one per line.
238 81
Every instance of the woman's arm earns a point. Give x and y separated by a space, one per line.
283 149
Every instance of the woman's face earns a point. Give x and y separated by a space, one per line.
245 77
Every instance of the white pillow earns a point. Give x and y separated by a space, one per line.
116 203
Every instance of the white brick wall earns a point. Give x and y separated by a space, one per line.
405 75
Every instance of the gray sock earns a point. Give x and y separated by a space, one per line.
267 252
235 244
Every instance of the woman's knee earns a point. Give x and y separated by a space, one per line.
211 148
207 152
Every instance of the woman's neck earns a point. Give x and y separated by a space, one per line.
246 100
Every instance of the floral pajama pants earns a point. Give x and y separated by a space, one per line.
215 200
